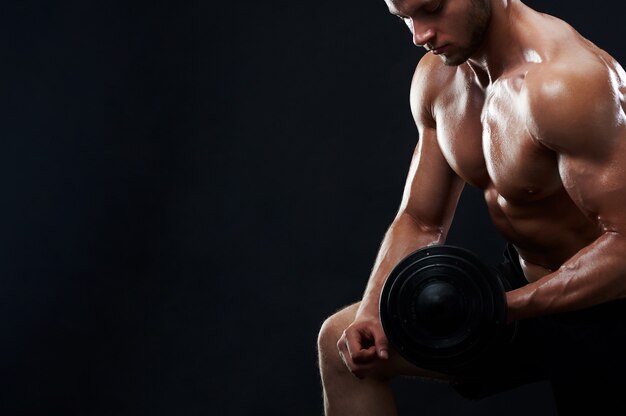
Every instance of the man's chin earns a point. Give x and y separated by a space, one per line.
456 56
453 60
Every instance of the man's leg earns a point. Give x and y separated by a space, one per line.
344 394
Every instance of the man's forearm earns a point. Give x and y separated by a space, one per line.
405 235
596 274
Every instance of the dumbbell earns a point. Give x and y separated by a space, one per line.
443 309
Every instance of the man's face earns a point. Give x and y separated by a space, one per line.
452 29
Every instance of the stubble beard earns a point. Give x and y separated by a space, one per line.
478 20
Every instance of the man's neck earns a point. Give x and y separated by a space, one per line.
502 48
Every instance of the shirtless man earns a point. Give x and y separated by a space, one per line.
520 105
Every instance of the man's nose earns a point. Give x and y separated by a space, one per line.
421 34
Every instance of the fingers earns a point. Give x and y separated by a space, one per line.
382 345
346 357
360 347
360 371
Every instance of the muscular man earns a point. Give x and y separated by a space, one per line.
520 105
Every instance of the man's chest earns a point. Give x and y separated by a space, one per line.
485 139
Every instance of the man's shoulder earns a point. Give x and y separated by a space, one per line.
432 81
571 94
432 74
566 77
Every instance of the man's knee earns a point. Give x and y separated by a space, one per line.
331 363
331 331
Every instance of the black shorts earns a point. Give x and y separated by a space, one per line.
581 353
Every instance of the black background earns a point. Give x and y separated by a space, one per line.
189 188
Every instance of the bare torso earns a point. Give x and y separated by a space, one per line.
482 132
518 104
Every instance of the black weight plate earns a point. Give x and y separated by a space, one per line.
473 327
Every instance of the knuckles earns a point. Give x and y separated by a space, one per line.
356 348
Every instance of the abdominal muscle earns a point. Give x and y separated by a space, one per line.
545 232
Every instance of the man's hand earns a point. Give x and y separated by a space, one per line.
363 344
